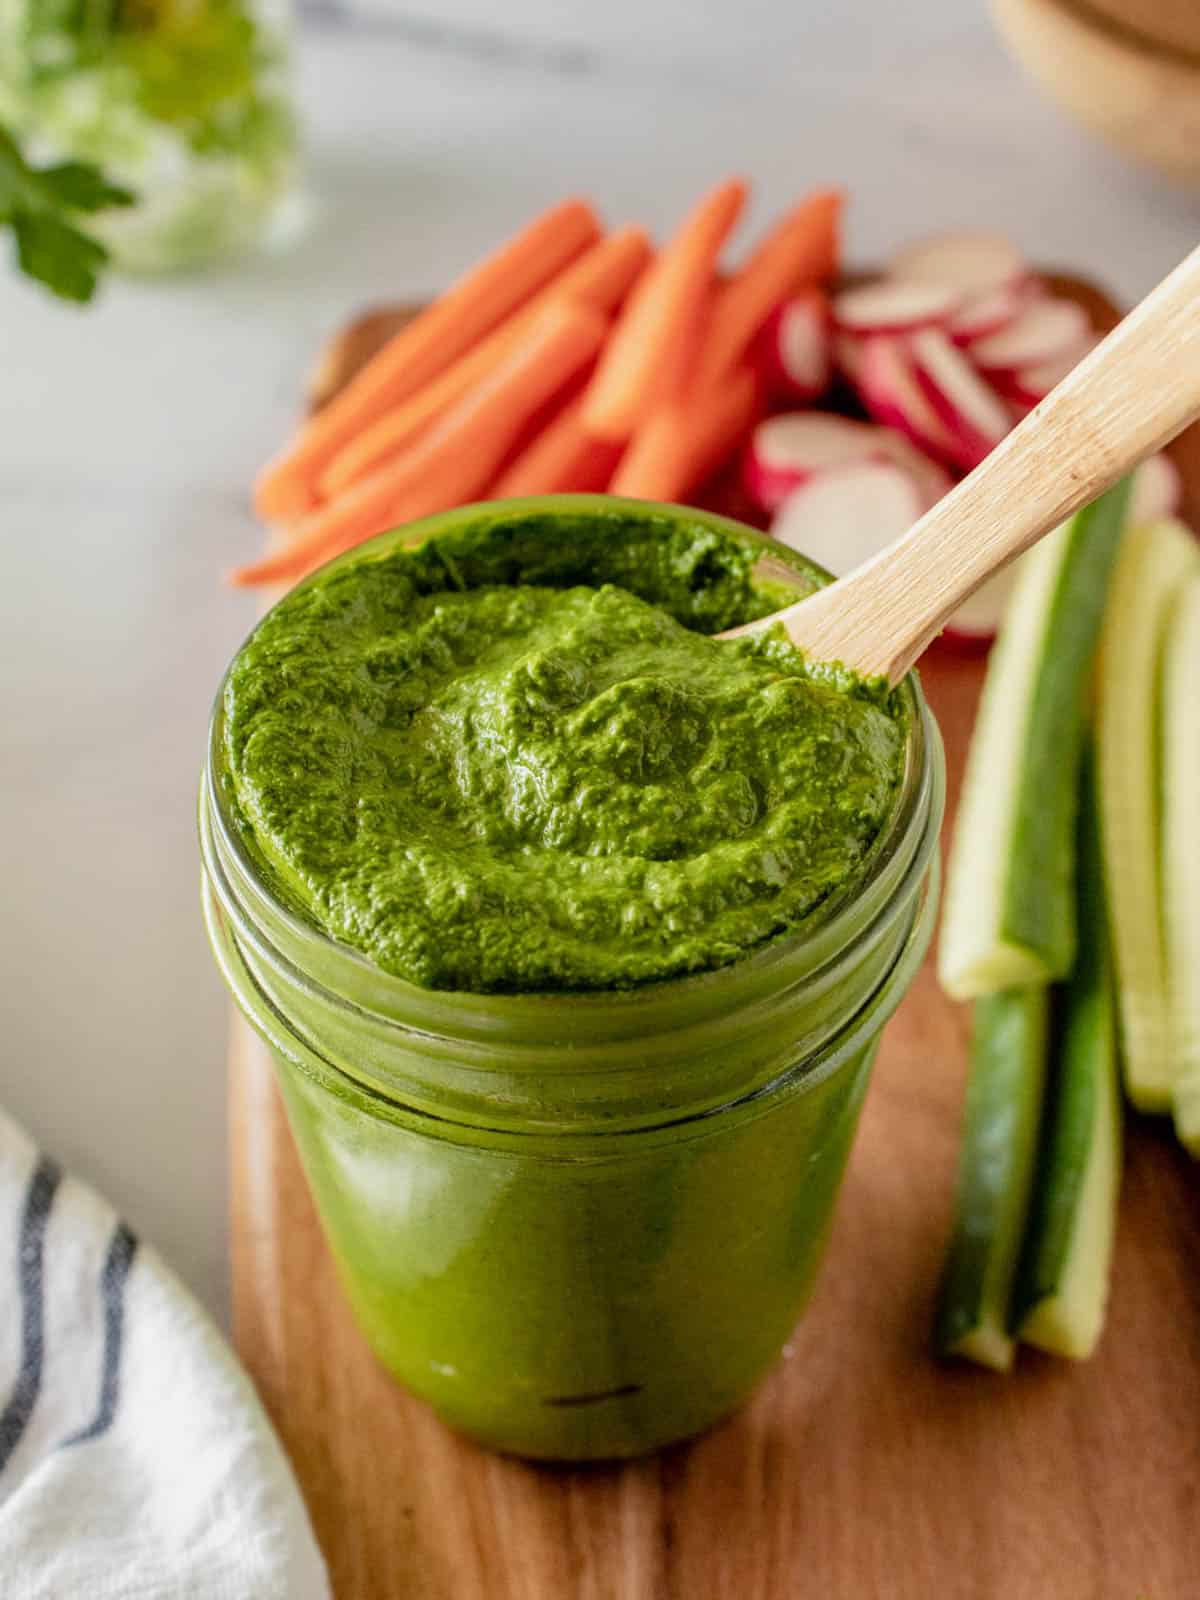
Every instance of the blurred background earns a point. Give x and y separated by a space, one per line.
130 428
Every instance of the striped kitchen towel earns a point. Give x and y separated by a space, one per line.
136 1462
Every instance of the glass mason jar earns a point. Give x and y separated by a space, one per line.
185 102
581 1225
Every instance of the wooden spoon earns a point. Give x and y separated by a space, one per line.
1131 395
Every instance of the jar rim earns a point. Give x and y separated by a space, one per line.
786 960
673 1119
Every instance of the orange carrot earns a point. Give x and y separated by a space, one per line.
563 457
645 357
457 458
600 278
801 250
683 443
469 309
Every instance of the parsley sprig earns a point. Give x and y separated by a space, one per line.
42 206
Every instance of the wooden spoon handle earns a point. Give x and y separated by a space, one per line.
1132 394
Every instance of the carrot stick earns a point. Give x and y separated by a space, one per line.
457 458
600 278
684 442
562 457
801 250
644 360
476 303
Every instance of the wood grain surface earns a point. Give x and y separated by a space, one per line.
862 1468
1163 25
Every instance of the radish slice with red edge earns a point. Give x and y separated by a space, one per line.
787 450
1028 385
1044 331
991 312
977 621
797 348
848 356
972 263
1017 410
894 307
888 388
931 480
972 412
1157 490
840 519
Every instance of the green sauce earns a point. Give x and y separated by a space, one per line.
578 1224
511 760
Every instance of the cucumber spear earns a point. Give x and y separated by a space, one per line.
1010 910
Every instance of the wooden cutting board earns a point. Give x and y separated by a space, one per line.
862 1469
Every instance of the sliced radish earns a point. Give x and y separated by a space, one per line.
1157 490
786 451
977 621
1025 387
1017 410
848 356
1045 330
842 518
931 480
889 389
1050 374
972 263
798 348
989 313
965 405
894 307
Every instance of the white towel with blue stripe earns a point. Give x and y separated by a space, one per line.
136 1462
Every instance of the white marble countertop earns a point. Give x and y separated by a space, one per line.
128 435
